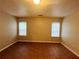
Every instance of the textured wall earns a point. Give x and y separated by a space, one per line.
70 31
8 29
39 29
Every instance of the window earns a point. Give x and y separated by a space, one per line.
22 28
55 29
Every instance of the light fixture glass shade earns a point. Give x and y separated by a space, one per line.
36 2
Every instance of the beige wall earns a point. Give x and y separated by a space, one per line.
70 31
39 29
7 30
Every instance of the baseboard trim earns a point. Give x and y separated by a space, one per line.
7 46
70 49
39 41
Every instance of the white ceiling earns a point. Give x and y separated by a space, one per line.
55 8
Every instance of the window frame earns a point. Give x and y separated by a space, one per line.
59 29
18 29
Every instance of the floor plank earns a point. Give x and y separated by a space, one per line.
36 51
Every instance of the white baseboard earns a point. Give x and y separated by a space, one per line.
39 41
7 46
70 49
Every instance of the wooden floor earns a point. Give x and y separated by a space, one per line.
37 51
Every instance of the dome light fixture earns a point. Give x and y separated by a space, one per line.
36 2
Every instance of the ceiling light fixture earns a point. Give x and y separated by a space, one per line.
36 2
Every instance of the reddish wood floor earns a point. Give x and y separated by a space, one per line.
37 51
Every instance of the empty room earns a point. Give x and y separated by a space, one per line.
39 29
